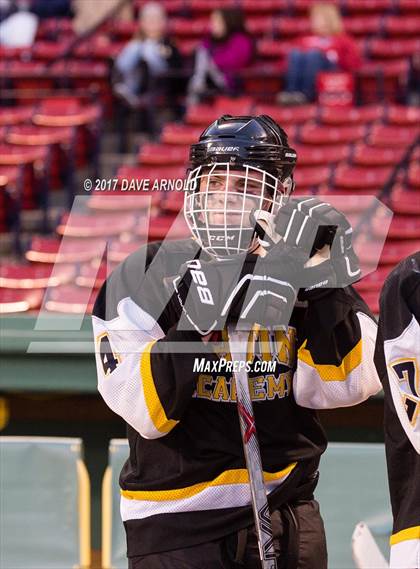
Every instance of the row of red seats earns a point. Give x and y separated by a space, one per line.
41 146
289 6
282 26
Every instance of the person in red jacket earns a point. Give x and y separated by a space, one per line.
327 48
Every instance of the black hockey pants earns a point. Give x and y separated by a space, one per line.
298 535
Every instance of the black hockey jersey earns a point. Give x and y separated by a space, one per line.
185 481
397 359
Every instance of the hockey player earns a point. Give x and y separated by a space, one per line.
397 359
162 357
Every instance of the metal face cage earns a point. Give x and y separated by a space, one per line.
219 198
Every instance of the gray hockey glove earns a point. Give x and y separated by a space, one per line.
308 224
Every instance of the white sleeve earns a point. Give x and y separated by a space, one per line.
402 356
125 381
322 386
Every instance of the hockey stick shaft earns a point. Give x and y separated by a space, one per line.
238 342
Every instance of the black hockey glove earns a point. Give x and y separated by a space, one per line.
245 289
308 224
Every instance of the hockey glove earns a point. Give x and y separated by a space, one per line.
308 224
243 289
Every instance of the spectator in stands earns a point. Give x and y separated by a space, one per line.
227 50
327 48
149 54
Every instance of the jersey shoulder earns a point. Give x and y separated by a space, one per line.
400 297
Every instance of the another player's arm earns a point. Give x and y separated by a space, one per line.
402 354
139 379
335 366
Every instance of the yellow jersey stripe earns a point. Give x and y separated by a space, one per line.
331 372
237 476
405 535
153 404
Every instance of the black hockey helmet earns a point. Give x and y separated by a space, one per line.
256 141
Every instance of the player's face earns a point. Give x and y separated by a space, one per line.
229 196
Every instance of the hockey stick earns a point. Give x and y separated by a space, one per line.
238 344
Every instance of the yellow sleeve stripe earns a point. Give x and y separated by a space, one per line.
153 404
331 372
237 476
405 535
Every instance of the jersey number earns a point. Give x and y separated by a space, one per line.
109 360
406 371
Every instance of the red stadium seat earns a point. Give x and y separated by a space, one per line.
33 135
321 155
181 27
304 5
51 250
373 281
368 6
160 226
378 81
272 49
311 178
362 25
120 201
413 175
15 115
119 250
393 136
345 116
320 134
70 299
163 154
388 48
270 6
79 225
12 301
288 27
49 50
260 25
92 276
173 202
353 178
408 6
395 251
372 300
234 105
180 134
34 276
406 202
207 6
65 112
402 26
201 114
402 115
287 115
365 155
404 227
